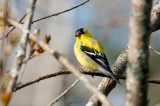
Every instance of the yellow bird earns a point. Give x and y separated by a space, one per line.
90 54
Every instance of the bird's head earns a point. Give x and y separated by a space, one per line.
82 33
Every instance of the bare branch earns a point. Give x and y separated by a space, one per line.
63 93
41 78
13 27
152 49
56 14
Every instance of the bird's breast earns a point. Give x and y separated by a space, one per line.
85 60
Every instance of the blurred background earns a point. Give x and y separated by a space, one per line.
107 21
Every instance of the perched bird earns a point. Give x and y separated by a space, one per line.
90 54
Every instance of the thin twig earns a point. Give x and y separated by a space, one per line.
13 27
64 62
152 49
56 14
152 81
63 93
42 78
29 58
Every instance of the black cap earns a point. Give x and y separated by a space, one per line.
79 32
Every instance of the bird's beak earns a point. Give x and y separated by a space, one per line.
78 33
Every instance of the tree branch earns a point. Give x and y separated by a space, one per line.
56 14
13 27
41 78
63 93
155 18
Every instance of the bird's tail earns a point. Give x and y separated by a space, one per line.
109 71
114 78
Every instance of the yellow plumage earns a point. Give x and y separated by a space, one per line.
90 53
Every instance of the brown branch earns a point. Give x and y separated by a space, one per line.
56 14
155 51
13 27
41 78
29 58
152 81
63 93
155 18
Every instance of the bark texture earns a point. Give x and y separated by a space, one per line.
138 53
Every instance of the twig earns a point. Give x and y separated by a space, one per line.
63 93
56 14
64 62
20 55
42 78
152 49
13 27
29 58
152 81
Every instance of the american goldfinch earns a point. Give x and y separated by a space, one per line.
90 54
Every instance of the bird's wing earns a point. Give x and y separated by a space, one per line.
96 56
94 50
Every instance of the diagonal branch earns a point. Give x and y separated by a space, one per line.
63 93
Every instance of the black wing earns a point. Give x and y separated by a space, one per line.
100 59
97 57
